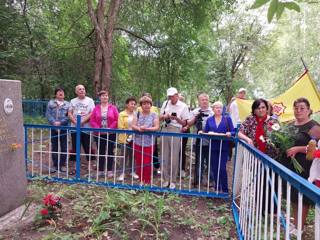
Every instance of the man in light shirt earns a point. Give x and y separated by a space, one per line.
199 119
233 109
174 114
83 106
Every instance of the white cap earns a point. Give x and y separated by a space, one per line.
242 90
171 91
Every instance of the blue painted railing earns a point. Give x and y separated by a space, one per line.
78 178
289 179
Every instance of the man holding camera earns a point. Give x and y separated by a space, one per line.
175 114
199 119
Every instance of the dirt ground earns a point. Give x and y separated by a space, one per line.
98 213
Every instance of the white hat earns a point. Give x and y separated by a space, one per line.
171 91
242 90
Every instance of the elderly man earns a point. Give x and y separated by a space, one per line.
233 109
83 106
175 115
199 119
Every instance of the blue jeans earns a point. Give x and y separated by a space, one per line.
55 147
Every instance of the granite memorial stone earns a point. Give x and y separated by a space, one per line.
13 182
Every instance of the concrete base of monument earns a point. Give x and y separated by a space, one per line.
18 216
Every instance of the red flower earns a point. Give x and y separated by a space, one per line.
51 200
316 154
44 211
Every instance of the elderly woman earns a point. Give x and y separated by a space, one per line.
125 122
219 124
302 126
105 115
57 115
144 121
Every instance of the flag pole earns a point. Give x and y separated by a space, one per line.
304 64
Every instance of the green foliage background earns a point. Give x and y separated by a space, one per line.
193 45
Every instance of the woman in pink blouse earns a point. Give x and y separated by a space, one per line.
105 115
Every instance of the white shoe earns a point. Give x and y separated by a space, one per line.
110 174
183 173
121 177
172 186
165 184
135 176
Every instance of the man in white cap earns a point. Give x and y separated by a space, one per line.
175 115
233 109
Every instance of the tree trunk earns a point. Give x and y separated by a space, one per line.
103 55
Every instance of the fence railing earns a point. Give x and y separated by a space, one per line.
268 198
105 160
34 108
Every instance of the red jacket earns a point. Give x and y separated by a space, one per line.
112 117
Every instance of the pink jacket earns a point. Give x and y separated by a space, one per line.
112 117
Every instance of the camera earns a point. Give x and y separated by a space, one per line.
168 120
199 119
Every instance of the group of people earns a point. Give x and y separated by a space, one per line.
139 152
254 131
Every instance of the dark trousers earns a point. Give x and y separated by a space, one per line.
200 162
183 153
55 138
84 141
105 141
221 181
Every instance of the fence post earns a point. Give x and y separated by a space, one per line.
26 147
236 139
78 146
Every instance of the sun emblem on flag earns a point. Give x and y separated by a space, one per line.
278 108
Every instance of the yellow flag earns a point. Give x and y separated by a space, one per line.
283 104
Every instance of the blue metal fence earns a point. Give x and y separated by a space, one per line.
259 179
38 158
34 108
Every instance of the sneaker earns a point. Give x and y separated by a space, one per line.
135 176
121 177
110 174
63 169
183 174
172 185
165 184
53 170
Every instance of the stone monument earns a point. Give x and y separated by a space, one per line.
13 181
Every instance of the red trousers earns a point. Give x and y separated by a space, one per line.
143 162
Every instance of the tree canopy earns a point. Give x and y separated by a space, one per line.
214 46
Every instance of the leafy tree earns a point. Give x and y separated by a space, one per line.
276 7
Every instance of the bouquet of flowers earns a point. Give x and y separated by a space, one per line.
51 207
281 137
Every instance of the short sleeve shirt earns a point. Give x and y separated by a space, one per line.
82 107
180 108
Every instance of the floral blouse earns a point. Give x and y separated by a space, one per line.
248 127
